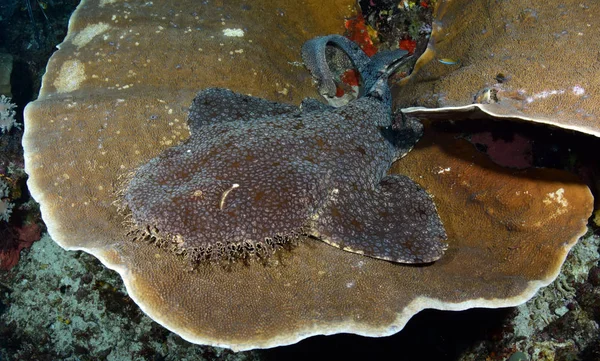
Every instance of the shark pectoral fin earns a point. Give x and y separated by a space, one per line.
397 221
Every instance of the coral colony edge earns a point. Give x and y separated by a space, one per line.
258 222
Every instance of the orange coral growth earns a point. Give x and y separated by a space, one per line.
358 32
408 45
351 77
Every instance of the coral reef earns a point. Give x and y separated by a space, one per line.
67 306
6 66
6 205
15 239
18 228
7 114
560 323
508 232
91 317
484 51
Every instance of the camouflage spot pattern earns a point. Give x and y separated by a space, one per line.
256 175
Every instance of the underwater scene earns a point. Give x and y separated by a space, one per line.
291 180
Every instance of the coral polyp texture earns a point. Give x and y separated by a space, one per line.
116 95
508 62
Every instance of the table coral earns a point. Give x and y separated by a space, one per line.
115 96
509 62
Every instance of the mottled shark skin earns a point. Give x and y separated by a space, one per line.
256 175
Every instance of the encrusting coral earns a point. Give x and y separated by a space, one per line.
509 60
115 96
6 205
7 114
15 233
